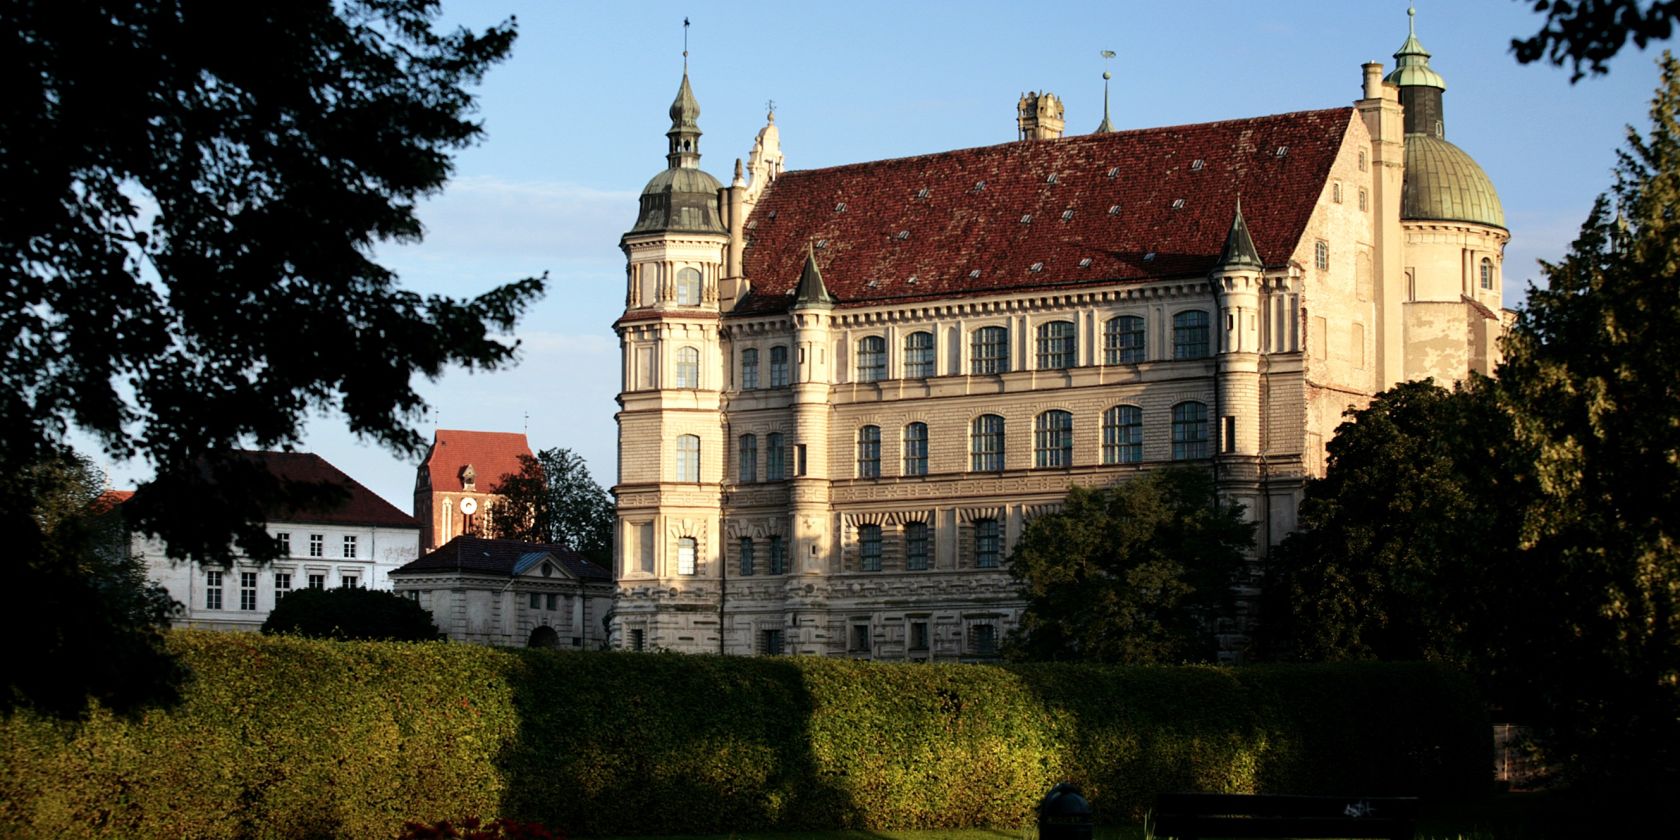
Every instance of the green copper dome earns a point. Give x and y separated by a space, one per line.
1444 184
680 199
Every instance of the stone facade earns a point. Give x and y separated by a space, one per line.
509 593
846 391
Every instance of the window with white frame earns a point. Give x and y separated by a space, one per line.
986 444
918 355
247 590
688 287
988 544
916 449
1189 431
282 585
317 581
285 544
349 548
1190 334
775 458
688 367
1487 273
317 545
778 367
1055 345
869 548
747 456
212 590
1123 435
1321 255
1123 340
869 452
989 350
688 458
916 546
686 548
1053 439
349 581
749 369
871 359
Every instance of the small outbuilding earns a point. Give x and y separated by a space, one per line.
510 593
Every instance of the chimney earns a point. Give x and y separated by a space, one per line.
1039 116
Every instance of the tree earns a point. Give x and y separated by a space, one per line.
194 190
553 499
351 613
1591 32
1136 573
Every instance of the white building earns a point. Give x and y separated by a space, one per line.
511 593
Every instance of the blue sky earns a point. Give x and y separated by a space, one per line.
575 124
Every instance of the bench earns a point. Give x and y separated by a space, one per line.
1192 816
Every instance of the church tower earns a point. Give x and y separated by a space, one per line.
669 540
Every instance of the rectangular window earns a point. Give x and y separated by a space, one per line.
869 452
916 546
247 590
349 548
644 540
1228 435
1123 435
746 557
212 590
748 458
778 556
1321 255
1123 340
916 449
869 548
535 600
989 350
985 639
282 585
871 359
1053 440
918 355
775 458
987 544
770 642
918 635
1190 335
349 581
799 459
685 556
638 639
317 545
749 369
688 367
778 367
860 639
551 602
986 453
285 544
1189 431
1055 345
317 581
688 458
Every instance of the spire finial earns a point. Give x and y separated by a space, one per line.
1106 126
1411 20
770 110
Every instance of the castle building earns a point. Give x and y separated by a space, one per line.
846 390
454 487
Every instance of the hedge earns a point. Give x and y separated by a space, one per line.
287 737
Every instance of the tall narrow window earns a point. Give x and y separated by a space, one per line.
285 544
1055 345
644 544
989 350
778 367
778 556
1190 334
317 545
1123 340
349 548
1123 435
247 590
746 557
688 287
916 449
1189 431
775 458
282 585
748 457
869 548
1321 255
688 367
749 369
869 452
918 355
871 359
1053 439
770 642
688 458
212 590
987 544
686 549
916 546
986 444
1487 273
638 639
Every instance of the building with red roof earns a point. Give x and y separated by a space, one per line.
453 490
847 390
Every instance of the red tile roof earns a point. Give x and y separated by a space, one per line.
110 500
1001 210
362 508
491 454
500 557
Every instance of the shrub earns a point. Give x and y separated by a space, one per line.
351 613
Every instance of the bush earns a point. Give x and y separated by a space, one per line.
350 613
288 737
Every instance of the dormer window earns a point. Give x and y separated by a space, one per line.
1196 165
1178 204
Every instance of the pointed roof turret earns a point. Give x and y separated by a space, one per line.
1412 61
812 292
1239 246
685 127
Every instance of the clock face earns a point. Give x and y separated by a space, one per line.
469 506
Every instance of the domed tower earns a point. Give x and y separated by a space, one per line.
669 494
1454 231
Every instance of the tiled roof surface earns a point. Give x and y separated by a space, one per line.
998 211
491 454
110 500
362 508
499 557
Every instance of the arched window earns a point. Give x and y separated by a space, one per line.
986 444
869 452
916 546
688 458
1190 334
869 548
988 544
748 458
1364 161
1336 192
1123 435
688 367
1321 255
989 350
749 369
688 287
1123 340
1053 440
687 548
778 367
916 449
1364 199
1055 345
1189 431
1487 273
918 355
871 359
775 458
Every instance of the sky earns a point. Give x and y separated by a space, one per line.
575 125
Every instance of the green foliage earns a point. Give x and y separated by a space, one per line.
350 613
553 499
288 737
1591 32
185 253
1135 573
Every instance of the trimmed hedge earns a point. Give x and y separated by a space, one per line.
286 737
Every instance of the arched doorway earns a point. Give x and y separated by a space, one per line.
544 637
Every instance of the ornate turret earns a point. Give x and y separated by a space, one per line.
812 292
1039 116
1239 249
683 197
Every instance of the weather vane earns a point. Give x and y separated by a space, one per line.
685 45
